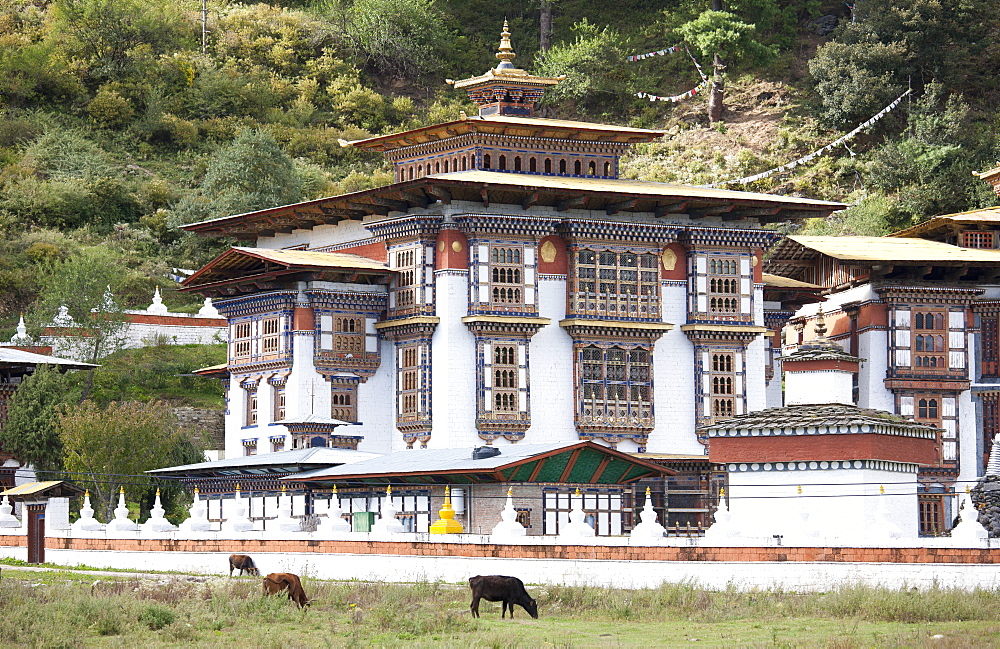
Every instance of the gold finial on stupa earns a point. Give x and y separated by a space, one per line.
388 490
647 492
577 491
722 493
121 490
800 490
510 491
881 489
506 52
157 491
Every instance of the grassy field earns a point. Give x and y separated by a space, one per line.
70 609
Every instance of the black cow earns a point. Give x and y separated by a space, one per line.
495 588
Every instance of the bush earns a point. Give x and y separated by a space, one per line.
110 109
156 616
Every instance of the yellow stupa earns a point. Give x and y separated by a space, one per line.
447 523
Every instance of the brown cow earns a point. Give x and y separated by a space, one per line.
243 563
278 581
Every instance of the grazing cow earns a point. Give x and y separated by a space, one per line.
243 563
278 581
509 590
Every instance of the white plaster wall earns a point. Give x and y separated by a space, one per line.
673 380
822 386
453 366
321 235
141 334
551 365
842 504
790 575
377 407
235 413
873 346
969 457
773 394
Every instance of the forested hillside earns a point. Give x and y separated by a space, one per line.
122 119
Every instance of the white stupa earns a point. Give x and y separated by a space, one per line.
508 528
157 307
387 523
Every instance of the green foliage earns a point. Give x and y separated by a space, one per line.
873 216
597 78
854 81
121 441
157 616
724 34
400 38
159 372
30 430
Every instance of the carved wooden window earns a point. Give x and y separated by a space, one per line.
622 284
343 403
242 343
277 444
251 407
506 276
532 165
722 381
407 278
929 349
991 348
505 379
548 165
486 161
348 334
250 447
502 163
723 286
279 402
409 380
977 239
932 521
270 335
615 385
991 422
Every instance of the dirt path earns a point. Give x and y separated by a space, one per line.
108 573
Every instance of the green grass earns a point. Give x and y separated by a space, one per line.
63 609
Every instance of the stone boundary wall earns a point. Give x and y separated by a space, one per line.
790 568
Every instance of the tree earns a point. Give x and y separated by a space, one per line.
728 40
113 447
30 431
249 174
401 38
83 288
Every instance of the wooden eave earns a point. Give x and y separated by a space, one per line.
675 201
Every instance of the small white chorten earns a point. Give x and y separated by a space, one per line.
121 522
969 529
157 522
577 529
387 523
157 307
7 519
198 520
63 318
649 529
87 522
284 522
508 527
208 310
238 521
334 521
21 337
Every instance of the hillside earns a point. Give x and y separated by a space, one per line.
117 124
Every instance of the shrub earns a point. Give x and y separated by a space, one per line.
156 616
110 109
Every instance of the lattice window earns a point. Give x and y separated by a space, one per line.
505 379
990 347
723 286
932 521
977 239
930 335
242 340
722 380
279 402
616 283
251 407
270 335
506 276
348 334
409 379
408 277
615 386
343 403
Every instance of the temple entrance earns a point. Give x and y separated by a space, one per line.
36 532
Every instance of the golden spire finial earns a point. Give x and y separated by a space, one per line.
196 491
86 493
722 493
506 52
157 491
121 490
282 488
388 490
647 492
237 487
881 489
800 490
334 490
820 326
510 491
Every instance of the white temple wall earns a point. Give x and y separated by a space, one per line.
320 236
453 366
235 409
377 407
842 504
873 346
826 386
673 380
550 362
969 453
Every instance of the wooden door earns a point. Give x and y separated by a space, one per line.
36 533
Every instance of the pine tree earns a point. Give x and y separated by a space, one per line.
30 431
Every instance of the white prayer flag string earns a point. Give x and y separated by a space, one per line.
684 95
646 55
839 141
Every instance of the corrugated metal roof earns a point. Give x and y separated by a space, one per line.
61 487
318 455
827 415
11 356
894 249
625 187
778 281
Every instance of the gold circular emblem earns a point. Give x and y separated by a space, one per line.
668 259
548 252
440 246
754 261
456 246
